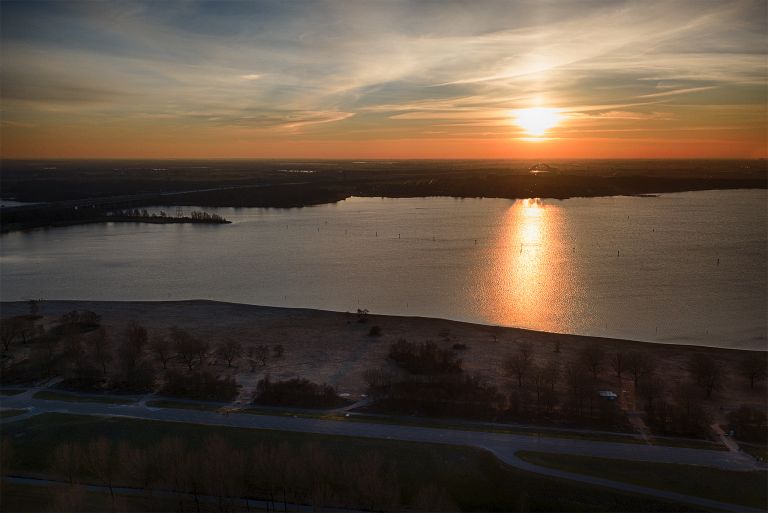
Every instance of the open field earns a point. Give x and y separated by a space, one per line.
4 414
57 396
475 479
745 488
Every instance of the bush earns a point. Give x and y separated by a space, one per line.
456 395
83 320
203 385
425 358
298 393
749 424
375 331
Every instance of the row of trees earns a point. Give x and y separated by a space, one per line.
430 381
296 393
91 359
145 214
215 475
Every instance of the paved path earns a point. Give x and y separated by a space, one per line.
504 446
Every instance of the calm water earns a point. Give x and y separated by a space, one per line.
640 268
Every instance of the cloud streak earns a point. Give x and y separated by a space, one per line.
341 69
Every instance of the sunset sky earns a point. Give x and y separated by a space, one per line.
385 79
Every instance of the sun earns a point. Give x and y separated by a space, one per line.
538 120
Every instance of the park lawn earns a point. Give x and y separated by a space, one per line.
11 413
57 396
475 479
24 498
742 488
511 430
11 391
755 450
182 405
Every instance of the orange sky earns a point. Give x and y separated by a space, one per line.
383 80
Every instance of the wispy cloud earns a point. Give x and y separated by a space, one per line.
342 69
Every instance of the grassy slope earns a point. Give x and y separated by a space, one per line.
745 488
476 480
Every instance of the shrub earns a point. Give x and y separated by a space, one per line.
201 384
296 392
425 358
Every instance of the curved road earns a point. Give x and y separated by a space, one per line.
503 446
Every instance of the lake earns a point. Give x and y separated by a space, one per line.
687 268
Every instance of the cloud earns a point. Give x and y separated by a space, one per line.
351 68
675 92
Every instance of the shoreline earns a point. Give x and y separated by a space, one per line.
20 307
335 349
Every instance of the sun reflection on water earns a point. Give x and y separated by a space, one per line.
531 276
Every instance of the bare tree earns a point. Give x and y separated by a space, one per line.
11 328
101 463
617 363
706 372
519 363
100 348
139 465
754 369
592 357
161 348
137 336
67 461
6 456
229 350
190 350
69 498
257 356
639 365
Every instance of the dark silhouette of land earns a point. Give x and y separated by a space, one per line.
70 186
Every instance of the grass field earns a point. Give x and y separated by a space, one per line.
744 488
23 498
57 396
11 413
181 405
477 481
11 391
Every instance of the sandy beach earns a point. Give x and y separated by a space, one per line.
334 348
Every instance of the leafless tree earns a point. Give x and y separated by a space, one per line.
69 498
139 465
229 350
617 363
101 463
136 335
161 348
11 328
706 372
6 456
639 365
100 348
519 363
432 498
189 349
592 357
67 461
754 368
257 356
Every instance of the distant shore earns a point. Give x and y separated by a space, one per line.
34 224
